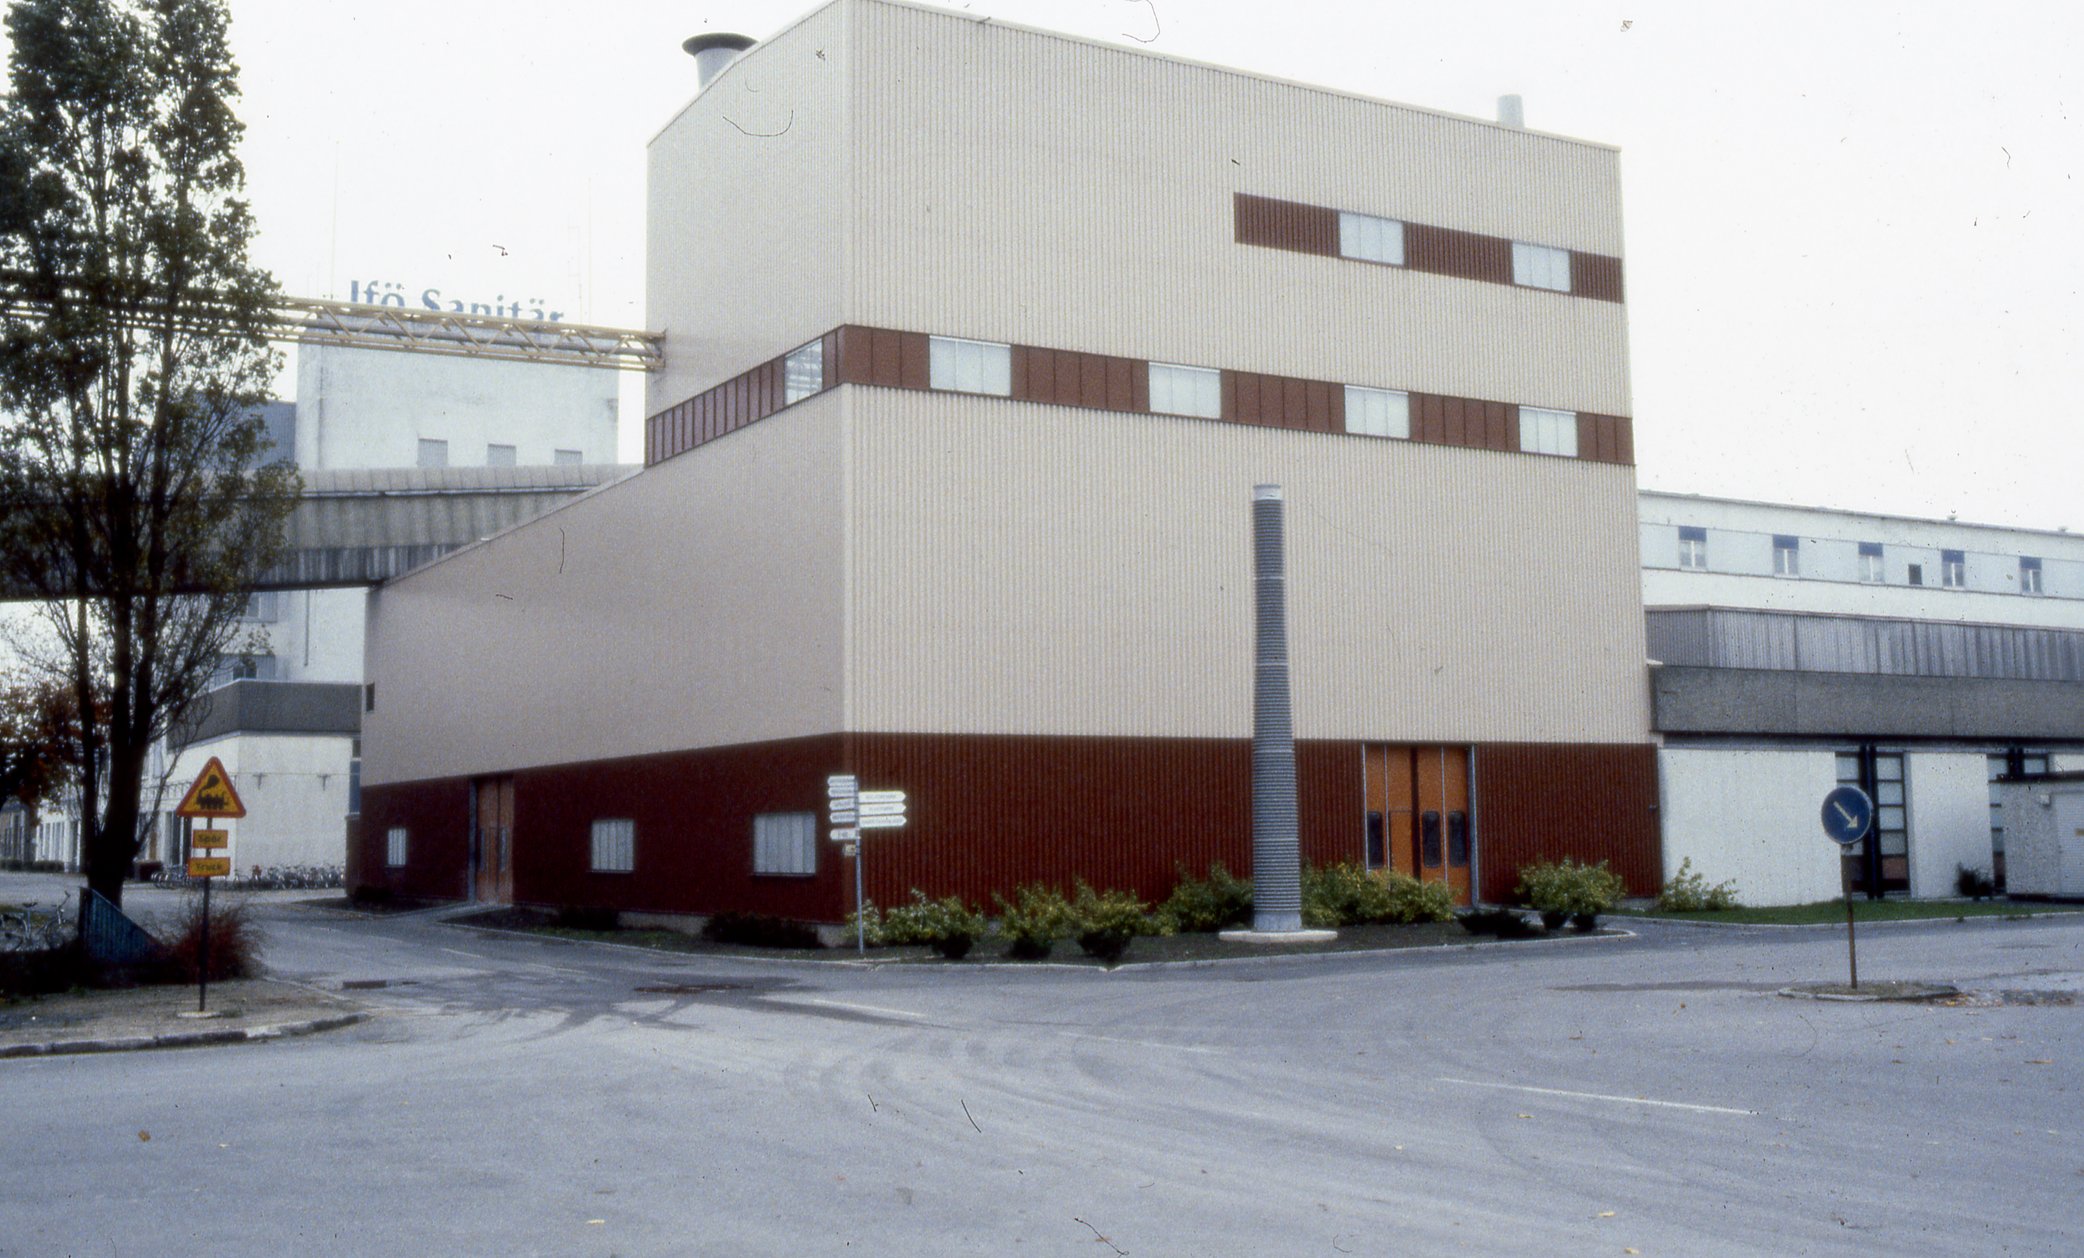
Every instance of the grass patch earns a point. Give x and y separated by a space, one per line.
1832 912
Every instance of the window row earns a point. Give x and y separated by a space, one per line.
783 843
435 453
1871 563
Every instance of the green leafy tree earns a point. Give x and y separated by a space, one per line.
133 355
36 728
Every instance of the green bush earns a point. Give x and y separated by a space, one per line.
1570 888
1034 921
948 926
1104 922
1345 894
1688 892
866 924
757 930
583 917
1203 905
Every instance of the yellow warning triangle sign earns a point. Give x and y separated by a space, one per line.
212 795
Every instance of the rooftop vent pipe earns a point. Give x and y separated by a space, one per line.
1510 114
713 52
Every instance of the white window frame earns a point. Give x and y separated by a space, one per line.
434 452
1693 548
803 373
785 844
493 457
1371 238
1378 412
1178 390
1953 569
613 846
955 364
394 847
1545 431
1787 555
1540 266
1873 563
2029 575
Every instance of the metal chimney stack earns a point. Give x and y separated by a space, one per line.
713 52
1276 855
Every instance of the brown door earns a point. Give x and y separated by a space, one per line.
1418 802
492 842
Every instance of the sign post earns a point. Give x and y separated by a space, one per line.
852 810
211 797
1847 816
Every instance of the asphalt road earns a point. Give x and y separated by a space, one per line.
1645 1095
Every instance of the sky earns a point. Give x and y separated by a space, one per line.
1854 236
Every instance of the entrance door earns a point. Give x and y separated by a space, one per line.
492 842
1418 804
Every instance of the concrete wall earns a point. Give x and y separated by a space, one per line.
294 787
2044 842
1949 818
1772 703
1751 815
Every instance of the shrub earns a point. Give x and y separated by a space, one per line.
235 943
866 924
1202 905
1104 922
1348 895
758 930
1502 922
579 917
1688 892
1974 883
1034 921
1570 888
948 926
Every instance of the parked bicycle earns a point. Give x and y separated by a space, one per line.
36 927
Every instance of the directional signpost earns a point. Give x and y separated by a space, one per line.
210 798
852 810
1847 816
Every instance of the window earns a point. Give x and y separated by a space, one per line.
1548 432
1693 547
1378 412
394 847
434 453
499 456
1540 266
615 846
566 458
969 366
1871 562
2029 575
785 843
1953 569
1915 574
1787 556
803 373
263 605
2014 760
1371 239
369 697
1186 391
1891 819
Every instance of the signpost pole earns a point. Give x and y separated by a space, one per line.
202 991
1848 818
1852 955
860 922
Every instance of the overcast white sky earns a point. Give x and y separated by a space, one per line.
1854 232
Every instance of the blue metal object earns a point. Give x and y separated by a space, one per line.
1847 815
111 938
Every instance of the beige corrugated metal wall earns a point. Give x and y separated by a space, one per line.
1019 568
1028 187
696 604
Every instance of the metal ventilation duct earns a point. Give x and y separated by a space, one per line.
713 52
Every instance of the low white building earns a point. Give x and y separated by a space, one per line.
1798 648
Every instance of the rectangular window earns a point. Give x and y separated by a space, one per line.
1371 239
1693 547
803 373
1915 574
1871 562
962 366
1179 390
785 843
1953 569
566 458
1891 819
433 453
1540 266
615 846
1787 556
394 847
499 456
2029 575
1548 432
1378 412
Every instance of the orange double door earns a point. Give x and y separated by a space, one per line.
492 841
1418 812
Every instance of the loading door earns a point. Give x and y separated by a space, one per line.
492 841
1417 812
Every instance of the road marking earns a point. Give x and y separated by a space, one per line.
841 1004
1601 1096
472 955
1115 1039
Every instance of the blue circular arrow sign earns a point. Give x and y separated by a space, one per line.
1847 812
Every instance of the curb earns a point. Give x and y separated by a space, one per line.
182 1039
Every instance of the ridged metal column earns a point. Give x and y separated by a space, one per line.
1276 858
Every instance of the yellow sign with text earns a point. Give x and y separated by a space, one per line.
209 866
210 840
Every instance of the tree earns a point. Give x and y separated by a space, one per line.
133 355
36 727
